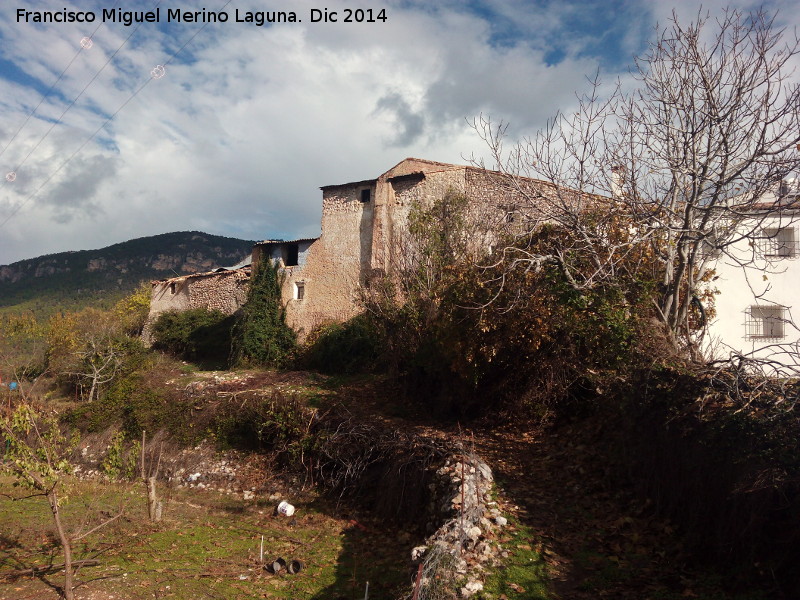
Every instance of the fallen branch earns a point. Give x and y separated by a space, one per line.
33 571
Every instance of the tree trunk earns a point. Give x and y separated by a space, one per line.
153 503
66 544
154 506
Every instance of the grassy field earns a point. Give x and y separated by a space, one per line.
207 546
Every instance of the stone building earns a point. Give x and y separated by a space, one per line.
363 224
224 289
363 228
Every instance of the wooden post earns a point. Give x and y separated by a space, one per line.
154 506
417 583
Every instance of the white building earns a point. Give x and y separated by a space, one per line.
758 279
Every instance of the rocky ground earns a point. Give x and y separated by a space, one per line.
596 539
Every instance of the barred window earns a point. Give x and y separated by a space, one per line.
710 247
778 242
766 322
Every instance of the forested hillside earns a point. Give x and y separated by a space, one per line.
71 280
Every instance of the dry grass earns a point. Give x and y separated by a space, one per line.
208 546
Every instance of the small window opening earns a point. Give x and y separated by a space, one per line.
766 322
299 290
292 255
172 288
710 247
510 213
365 195
779 242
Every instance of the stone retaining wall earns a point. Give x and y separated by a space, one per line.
462 545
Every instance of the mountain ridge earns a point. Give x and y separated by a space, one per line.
78 278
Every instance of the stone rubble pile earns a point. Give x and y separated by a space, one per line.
461 502
202 467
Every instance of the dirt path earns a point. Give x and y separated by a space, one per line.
598 540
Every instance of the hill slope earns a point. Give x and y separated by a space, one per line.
70 280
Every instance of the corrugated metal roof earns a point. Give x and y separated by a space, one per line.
266 242
246 262
336 185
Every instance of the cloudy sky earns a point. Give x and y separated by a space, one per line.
249 121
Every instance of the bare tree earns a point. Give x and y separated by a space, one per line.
691 160
36 454
97 363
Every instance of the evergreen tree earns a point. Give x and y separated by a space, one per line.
261 335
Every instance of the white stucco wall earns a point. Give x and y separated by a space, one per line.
747 278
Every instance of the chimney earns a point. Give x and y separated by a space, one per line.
787 187
617 181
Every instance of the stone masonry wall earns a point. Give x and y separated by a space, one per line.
361 239
335 263
466 520
225 291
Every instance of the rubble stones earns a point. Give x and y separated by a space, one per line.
467 517
418 552
239 475
472 588
474 533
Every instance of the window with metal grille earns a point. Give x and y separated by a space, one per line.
766 322
710 247
779 242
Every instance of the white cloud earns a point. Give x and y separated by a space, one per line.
250 121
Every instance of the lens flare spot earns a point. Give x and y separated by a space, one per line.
11 176
86 43
158 72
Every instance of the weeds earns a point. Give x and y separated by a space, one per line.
208 546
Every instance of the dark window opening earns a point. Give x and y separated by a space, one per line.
365 195
172 288
292 255
300 291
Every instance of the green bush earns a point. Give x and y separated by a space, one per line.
194 334
355 346
277 423
121 458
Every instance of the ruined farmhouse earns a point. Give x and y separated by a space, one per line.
363 223
223 289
